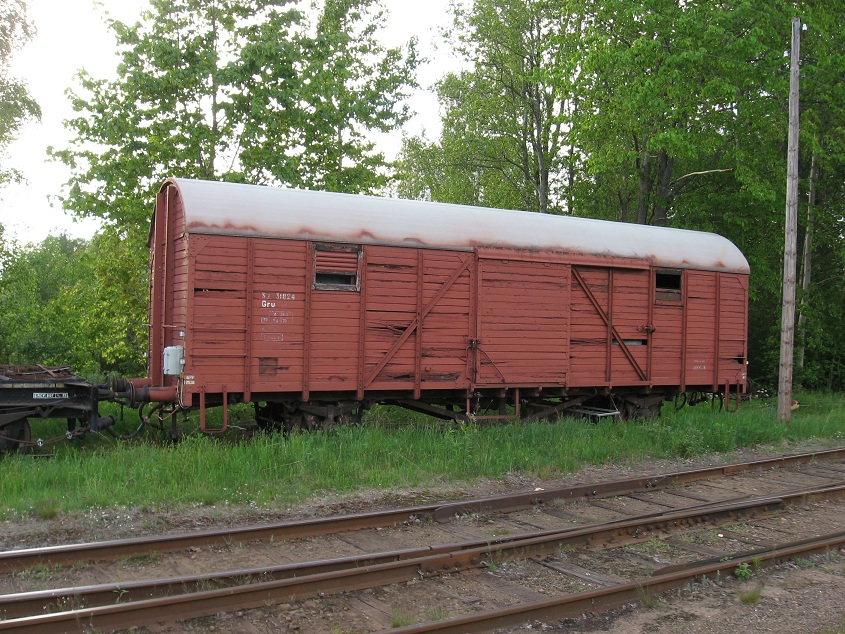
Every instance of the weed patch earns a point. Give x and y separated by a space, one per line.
39 572
401 617
46 509
743 571
392 448
142 560
750 597
435 613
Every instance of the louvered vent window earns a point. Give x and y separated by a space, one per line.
336 267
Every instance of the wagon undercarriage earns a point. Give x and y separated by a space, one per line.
514 405
29 393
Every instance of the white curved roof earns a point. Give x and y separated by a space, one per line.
213 207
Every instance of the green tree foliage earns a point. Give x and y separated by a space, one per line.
339 86
37 326
169 112
824 366
671 93
239 90
66 301
16 105
502 141
823 139
115 316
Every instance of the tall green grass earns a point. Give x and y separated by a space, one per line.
392 449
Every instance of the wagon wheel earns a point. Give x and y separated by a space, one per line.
18 432
311 422
353 418
293 422
269 417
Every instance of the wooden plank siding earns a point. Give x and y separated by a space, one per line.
733 328
216 352
256 321
169 273
588 336
277 328
390 305
400 285
334 340
701 339
611 326
523 322
630 316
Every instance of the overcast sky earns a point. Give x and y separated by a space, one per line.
72 35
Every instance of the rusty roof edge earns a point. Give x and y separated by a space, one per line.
213 207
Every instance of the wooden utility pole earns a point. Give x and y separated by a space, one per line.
790 256
807 262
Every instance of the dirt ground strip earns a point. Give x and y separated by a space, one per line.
804 596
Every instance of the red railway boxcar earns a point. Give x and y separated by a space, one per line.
315 305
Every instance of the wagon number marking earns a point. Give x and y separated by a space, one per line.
271 317
50 395
277 296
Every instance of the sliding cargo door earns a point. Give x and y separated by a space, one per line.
523 319
416 319
611 329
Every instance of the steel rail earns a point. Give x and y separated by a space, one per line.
300 581
505 503
633 592
22 559
23 604
184 606
14 560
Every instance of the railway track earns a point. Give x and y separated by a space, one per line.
667 512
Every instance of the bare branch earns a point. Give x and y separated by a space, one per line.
686 177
